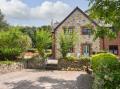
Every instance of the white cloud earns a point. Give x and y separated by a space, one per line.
50 10
14 9
46 11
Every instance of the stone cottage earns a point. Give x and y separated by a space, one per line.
78 21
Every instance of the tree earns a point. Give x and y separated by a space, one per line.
46 28
43 41
102 33
29 31
106 11
67 42
12 43
3 24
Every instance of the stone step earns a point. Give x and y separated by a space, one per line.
51 61
51 64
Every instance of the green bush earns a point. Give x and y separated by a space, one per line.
106 68
84 58
70 58
67 42
48 52
103 61
12 42
9 53
43 42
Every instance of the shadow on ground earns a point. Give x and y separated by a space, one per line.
24 85
84 81
58 83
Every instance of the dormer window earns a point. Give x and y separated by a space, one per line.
86 31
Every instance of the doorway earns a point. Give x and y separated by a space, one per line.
86 49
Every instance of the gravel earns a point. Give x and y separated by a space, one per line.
38 79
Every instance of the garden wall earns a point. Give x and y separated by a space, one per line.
64 65
6 68
34 64
76 65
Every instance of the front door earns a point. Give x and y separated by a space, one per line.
86 50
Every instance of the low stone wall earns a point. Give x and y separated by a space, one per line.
73 65
34 64
65 65
6 68
40 64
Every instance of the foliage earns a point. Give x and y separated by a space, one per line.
9 53
46 28
67 42
71 58
48 52
30 31
103 32
107 11
12 42
84 58
43 41
106 68
102 58
3 24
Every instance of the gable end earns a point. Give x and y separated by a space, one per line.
72 13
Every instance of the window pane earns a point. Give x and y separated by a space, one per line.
86 31
65 30
68 30
113 49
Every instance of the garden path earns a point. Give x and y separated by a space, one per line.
38 79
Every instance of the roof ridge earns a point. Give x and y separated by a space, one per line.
77 8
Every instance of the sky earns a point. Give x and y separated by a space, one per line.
38 12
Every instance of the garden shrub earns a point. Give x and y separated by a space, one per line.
106 69
103 60
43 42
12 43
71 58
48 52
84 58
9 53
67 42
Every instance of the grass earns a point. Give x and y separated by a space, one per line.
7 62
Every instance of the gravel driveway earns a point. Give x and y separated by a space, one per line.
35 79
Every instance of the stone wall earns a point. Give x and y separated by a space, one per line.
34 64
6 68
77 20
73 65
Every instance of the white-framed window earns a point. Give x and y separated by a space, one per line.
86 31
68 30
